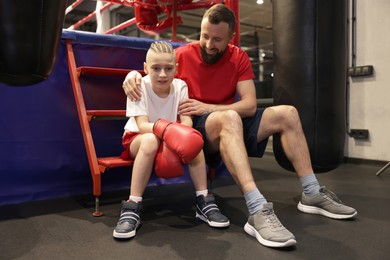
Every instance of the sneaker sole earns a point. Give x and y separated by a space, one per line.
250 230
323 212
212 223
125 235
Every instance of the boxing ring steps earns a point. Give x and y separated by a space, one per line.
97 165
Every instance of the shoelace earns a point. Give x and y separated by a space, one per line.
272 218
332 196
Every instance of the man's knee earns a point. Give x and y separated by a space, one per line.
231 117
223 123
290 115
223 117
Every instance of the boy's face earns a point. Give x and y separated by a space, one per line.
214 39
161 68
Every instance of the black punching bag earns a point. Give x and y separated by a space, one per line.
310 68
30 34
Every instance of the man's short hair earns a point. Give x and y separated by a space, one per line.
221 13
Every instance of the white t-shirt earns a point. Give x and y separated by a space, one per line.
153 106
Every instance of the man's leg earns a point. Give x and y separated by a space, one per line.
285 121
224 132
315 199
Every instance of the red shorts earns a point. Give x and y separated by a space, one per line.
126 141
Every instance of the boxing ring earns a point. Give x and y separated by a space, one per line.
42 151
41 144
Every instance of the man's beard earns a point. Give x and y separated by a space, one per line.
208 58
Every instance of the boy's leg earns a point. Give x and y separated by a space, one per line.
206 207
144 149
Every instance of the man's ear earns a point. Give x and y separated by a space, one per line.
146 68
232 36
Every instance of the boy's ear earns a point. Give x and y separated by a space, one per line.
145 68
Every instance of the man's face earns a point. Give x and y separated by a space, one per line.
214 39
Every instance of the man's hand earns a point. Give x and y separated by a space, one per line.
193 107
131 85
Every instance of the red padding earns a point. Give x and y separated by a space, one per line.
114 162
106 112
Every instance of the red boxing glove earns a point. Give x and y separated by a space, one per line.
185 141
167 163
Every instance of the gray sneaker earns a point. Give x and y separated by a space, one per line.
327 204
267 229
129 220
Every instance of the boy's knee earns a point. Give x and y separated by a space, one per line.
150 143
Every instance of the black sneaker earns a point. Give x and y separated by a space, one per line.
129 220
208 211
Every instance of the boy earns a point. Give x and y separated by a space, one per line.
161 96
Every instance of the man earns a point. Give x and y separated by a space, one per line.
215 72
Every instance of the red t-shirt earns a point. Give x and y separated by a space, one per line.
213 83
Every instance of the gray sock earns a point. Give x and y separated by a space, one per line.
254 201
310 184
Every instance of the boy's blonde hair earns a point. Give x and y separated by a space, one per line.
161 47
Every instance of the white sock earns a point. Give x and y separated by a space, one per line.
135 199
202 192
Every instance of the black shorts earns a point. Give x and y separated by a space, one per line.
251 126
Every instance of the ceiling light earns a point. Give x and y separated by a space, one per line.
259 2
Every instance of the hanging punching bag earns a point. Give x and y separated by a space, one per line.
30 33
310 68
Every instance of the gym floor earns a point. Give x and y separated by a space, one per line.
65 229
